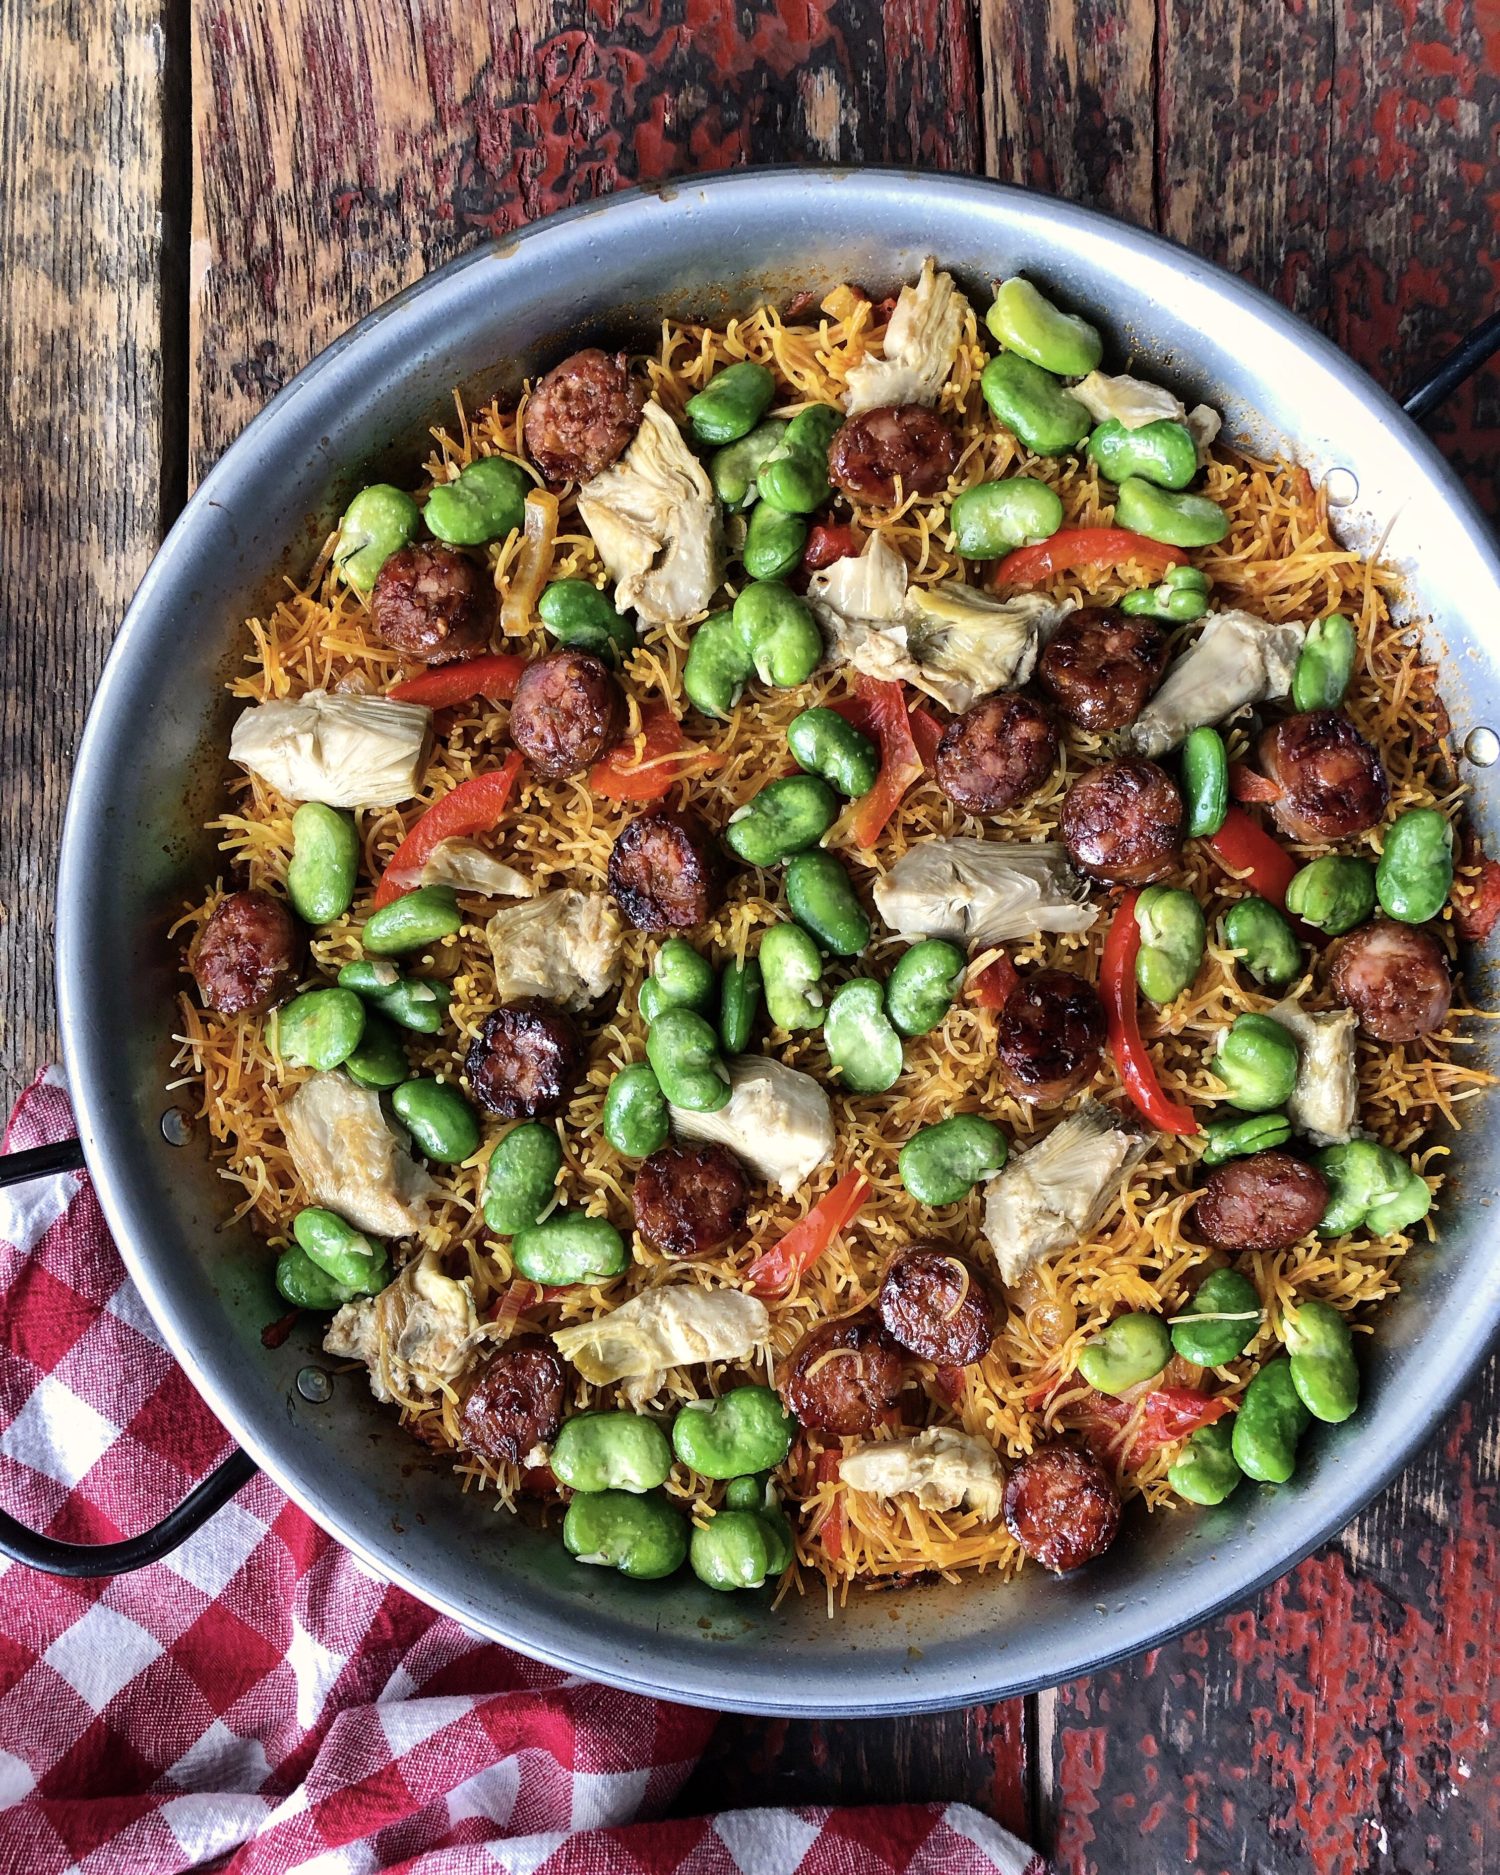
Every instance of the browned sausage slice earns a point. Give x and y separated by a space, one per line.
936 1305
1061 1506
1266 1202
433 603
1049 1034
525 1060
1122 822
1332 783
583 416
904 442
842 1377
1000 750
690 1200
248 955
1100 666
569 710
516 1403
664 871
1394 977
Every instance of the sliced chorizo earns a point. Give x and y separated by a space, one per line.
526 1059
1332 783
1395 977
516 1403
1000 750
1100 666
583 416
1061 1506
843 1377
1049 1035
894 442
1122 822
248 955
936 1306
1268 1201
568 712
664 870
690 1200
433 603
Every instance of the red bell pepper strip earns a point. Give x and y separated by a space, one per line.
774 1272
1077 547
1244 846
829 541
1117 985
1170 1414
993 987
927 733
1476 896
900 764
831 1533
625 776
474 806
495 675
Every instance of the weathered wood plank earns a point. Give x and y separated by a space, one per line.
81 121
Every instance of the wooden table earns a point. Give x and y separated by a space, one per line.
202 193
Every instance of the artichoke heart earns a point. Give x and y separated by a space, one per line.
1324 1104
777 1119
1048 1197
982 892
1238 659
675 1325
921 344
337 747
349 1159
942 1468
564 946
415 1337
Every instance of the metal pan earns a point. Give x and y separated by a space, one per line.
151 762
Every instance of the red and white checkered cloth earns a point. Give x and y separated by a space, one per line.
259 1701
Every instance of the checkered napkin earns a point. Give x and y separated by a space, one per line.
259 1701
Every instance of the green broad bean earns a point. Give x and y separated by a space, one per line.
1324 664
732 402
380 1059
995 517
786 817
1257 1062
520 1180
773 542
1132 1348
300 1282
862 1045
739 1004
759 1495
792 974
732 1551
779 633
1181 596
1370 1187
650 1000
579 613
569 1248
1033 405
1229 1138
1179 520
325 863
752 1493
718 666
684 1053
745 1430
1205 782
412 922
794 477
441 1122
684 977
822 743
924 985
1321 1356
370 976
822 901
486 502
642 1537
1206 1472
1162 452
340 1251
942 1164
733 470
611 1452
1415 874
635 1112
1025 321
1265 942
1220 1322
1268 1425
377 523
319 1029
1173 936
419 1003
1333 894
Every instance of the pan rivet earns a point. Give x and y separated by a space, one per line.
315 1385
1340 487
176 1126
1482 746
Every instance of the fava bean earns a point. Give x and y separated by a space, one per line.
822 743
1182 595
684 1054
1324 664
1257 1062
569 1248
732 1551
732 402
1132 1348
380 1058
352 1260
739 1004
1172 941
1162 452
419 1003
370 976
520 1181
1415 874
779 633
578 613
1324 1370
718 666
439 1119
642 1537
413 922
995 517
822 901
862 1045
1229 1138
745 1430
1266 944
786 817
942 1164
1025 321
1332 894
611 1452
305 1286
924 984
324 865
792 975
1223 1315
319 1029
1205 782
733 470
1268 1425
773 542
1179 520
749 1493
684 977
1370 1187
794 477
377 523
1033 405
486 502
635 1112
1206 1473
759 1495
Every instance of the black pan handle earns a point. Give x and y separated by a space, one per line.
1462 362
47 1553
